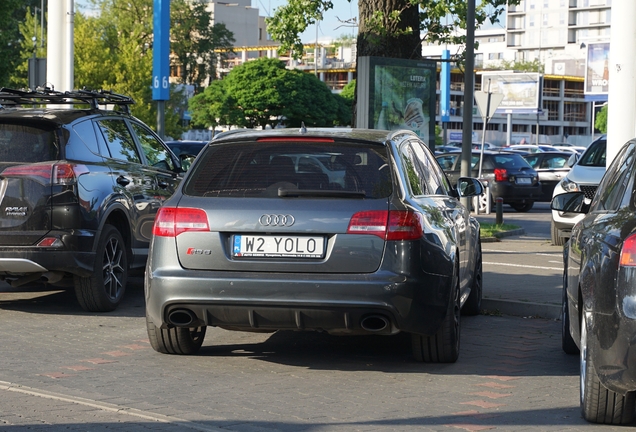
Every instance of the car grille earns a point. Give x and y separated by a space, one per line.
589 191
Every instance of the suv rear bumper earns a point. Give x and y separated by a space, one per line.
17 262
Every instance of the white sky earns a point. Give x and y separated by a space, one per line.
329 28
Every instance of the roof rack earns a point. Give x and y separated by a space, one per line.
44 95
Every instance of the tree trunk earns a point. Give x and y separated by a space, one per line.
389 43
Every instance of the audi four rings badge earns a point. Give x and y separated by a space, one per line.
280 220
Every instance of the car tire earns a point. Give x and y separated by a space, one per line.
598 404
104 289
175 340
472 306
567 341
557 240
443 346
523 207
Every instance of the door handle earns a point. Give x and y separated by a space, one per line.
123 180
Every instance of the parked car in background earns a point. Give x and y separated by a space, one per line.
507 174
599 291
551 167
584 176
569 147
251 243
80 188
447 149
532 148
191 148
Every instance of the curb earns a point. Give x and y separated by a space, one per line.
497 237
523 309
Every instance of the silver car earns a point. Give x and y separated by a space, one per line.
249 242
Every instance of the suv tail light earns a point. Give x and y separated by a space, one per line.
172 221
47 173
388 225
628 252
501 174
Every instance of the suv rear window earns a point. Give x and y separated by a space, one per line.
22 143
259 169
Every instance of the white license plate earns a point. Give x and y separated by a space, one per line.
278 246
524 180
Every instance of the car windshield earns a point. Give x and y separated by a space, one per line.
594 156
291 168
22 143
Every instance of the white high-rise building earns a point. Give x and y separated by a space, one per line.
556 32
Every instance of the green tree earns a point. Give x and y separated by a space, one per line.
113 52
349 90
600 122
13 13
387 28
523 66
29 28
193 41
261 91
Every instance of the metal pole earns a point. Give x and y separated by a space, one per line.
509 129
469 94
483 134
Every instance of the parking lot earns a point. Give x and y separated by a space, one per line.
65 369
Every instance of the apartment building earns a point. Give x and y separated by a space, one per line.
555 32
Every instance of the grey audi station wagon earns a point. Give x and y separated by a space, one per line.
346 231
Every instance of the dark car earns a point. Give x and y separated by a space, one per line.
79 188
186 148
599 291
507 174
249 242
551 167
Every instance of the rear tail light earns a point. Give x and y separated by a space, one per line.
47 173
172 221
501 174
388 225
628 252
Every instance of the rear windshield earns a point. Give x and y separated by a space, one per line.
21 143
509 161
259 169
594 156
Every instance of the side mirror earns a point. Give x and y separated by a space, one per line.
572 160
571 202
186 161
469 186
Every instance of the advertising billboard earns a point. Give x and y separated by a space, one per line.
597 69
521 90
397 94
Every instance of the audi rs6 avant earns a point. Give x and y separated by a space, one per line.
259 237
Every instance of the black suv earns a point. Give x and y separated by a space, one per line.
508 175
79 189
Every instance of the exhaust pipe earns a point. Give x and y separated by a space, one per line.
181 317
374 323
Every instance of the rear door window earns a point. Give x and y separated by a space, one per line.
261 168
423 174
119 140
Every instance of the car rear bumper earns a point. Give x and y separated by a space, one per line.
512 193
338 304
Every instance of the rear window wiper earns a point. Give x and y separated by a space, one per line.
326 193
